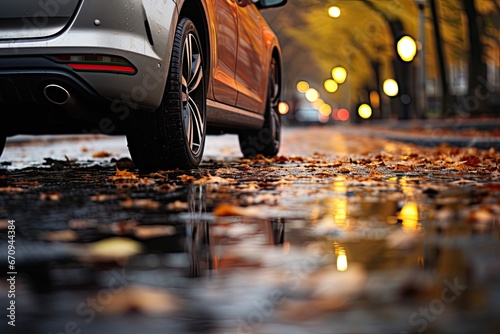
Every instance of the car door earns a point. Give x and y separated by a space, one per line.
226 23
251 62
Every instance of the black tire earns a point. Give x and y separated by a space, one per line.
266 141
174 135
3 139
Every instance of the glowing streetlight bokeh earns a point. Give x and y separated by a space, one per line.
325 110
302 86
390 87
312 95
331 86
341 260
365 111
334 12
407 48
318 103
409 216
374 99
343 115
283 108
339 74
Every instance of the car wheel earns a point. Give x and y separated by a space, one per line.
266 141
174 135
3 139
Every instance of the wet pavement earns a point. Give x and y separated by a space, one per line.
344 232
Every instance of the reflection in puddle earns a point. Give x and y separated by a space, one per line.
343 256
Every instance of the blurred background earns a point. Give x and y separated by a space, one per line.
358 60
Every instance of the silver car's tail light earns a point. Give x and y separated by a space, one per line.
97 63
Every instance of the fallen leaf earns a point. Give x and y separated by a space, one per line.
224 210
153 231
10 189
60 236
81 224
166 188
52 196
123 174
186 178
103 198
130 203
209 179
123 227
26 183
345 170
402 168
177 206
101 154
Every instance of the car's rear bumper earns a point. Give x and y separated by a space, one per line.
137 31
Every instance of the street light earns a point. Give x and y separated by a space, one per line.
339 74
407 48
365 111
302 86
331 86
312 95
391 88
334 12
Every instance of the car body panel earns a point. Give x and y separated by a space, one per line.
226 44
251 76
35 19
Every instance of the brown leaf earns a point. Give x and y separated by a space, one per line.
103 198
166 188
10 189
374 173
123 174
60 236
177 206
337 163
26 183
402 168
224 210
153 231
186 178
345 170
130 203
52 196
101 154
209 179
123 227
80 224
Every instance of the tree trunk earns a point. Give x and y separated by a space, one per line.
401 69
441 60
477 67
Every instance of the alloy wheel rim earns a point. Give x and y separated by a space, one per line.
192 93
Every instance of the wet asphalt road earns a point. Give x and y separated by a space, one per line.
342 233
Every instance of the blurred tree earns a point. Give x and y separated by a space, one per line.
364 34
477 66
445 98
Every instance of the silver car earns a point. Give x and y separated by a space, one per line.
164 72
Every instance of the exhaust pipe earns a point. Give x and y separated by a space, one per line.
56 94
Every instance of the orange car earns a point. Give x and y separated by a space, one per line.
165 73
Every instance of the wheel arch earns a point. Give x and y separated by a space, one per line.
276 55
196 12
